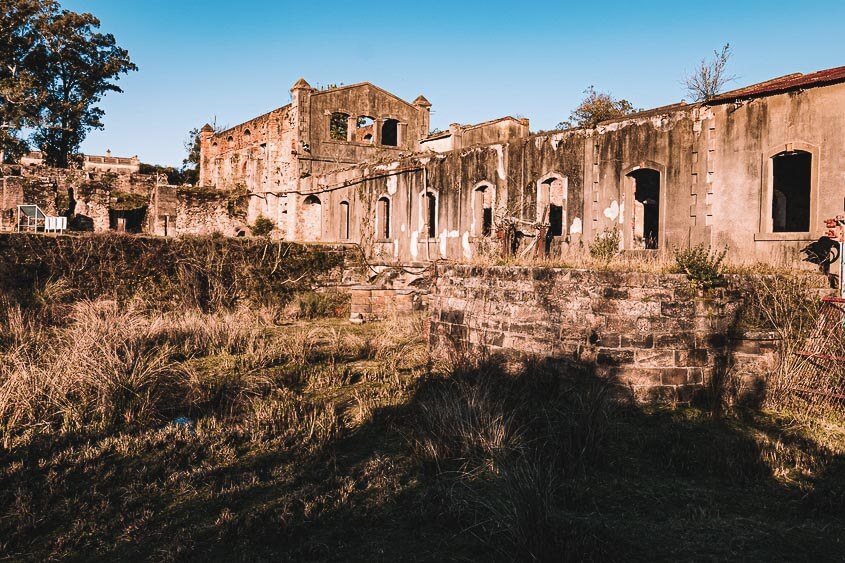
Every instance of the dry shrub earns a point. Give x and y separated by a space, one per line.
101 370
786 305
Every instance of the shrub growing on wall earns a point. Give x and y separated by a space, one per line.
262 227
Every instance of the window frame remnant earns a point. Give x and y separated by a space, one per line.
428 214
483 200
383 218
344 220
390 132
792 174
646 193
362 123
339 126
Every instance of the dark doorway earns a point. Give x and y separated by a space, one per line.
647 193
555 220
430 201
791 172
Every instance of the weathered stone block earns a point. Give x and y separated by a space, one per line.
636 340
696 357
674 376
614 357
657 358
677 308
677 340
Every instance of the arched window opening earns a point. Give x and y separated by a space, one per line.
383 218
645 212
482 210
429 215
791 175
551 205
344 220
247 134
339 126
230 140
390 133
364 129
312 218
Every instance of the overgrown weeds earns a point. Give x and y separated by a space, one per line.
701 265
514 441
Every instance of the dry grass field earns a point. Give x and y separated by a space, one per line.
130 433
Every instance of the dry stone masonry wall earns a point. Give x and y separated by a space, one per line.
653 333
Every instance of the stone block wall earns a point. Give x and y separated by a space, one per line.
651 332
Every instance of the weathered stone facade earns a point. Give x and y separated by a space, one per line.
756 169
93 201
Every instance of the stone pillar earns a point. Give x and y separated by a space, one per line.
206 133
377 125
401 134
424 107
351 125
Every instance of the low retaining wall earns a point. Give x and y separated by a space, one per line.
654 333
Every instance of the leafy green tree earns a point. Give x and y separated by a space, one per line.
19 94
595 108
76 66
55 67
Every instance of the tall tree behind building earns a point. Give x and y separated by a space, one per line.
58 68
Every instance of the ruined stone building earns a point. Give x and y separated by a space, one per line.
756 169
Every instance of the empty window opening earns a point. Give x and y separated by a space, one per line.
646 208
247 134
791 173
390 133
339 126
344 220
430 215
482 209
551 202
364 129
383 218
312 218
230 140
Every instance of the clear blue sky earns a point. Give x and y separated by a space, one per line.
474 60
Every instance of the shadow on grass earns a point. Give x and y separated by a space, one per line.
544 462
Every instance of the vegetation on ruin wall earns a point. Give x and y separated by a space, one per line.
205 272
124 201
237 199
